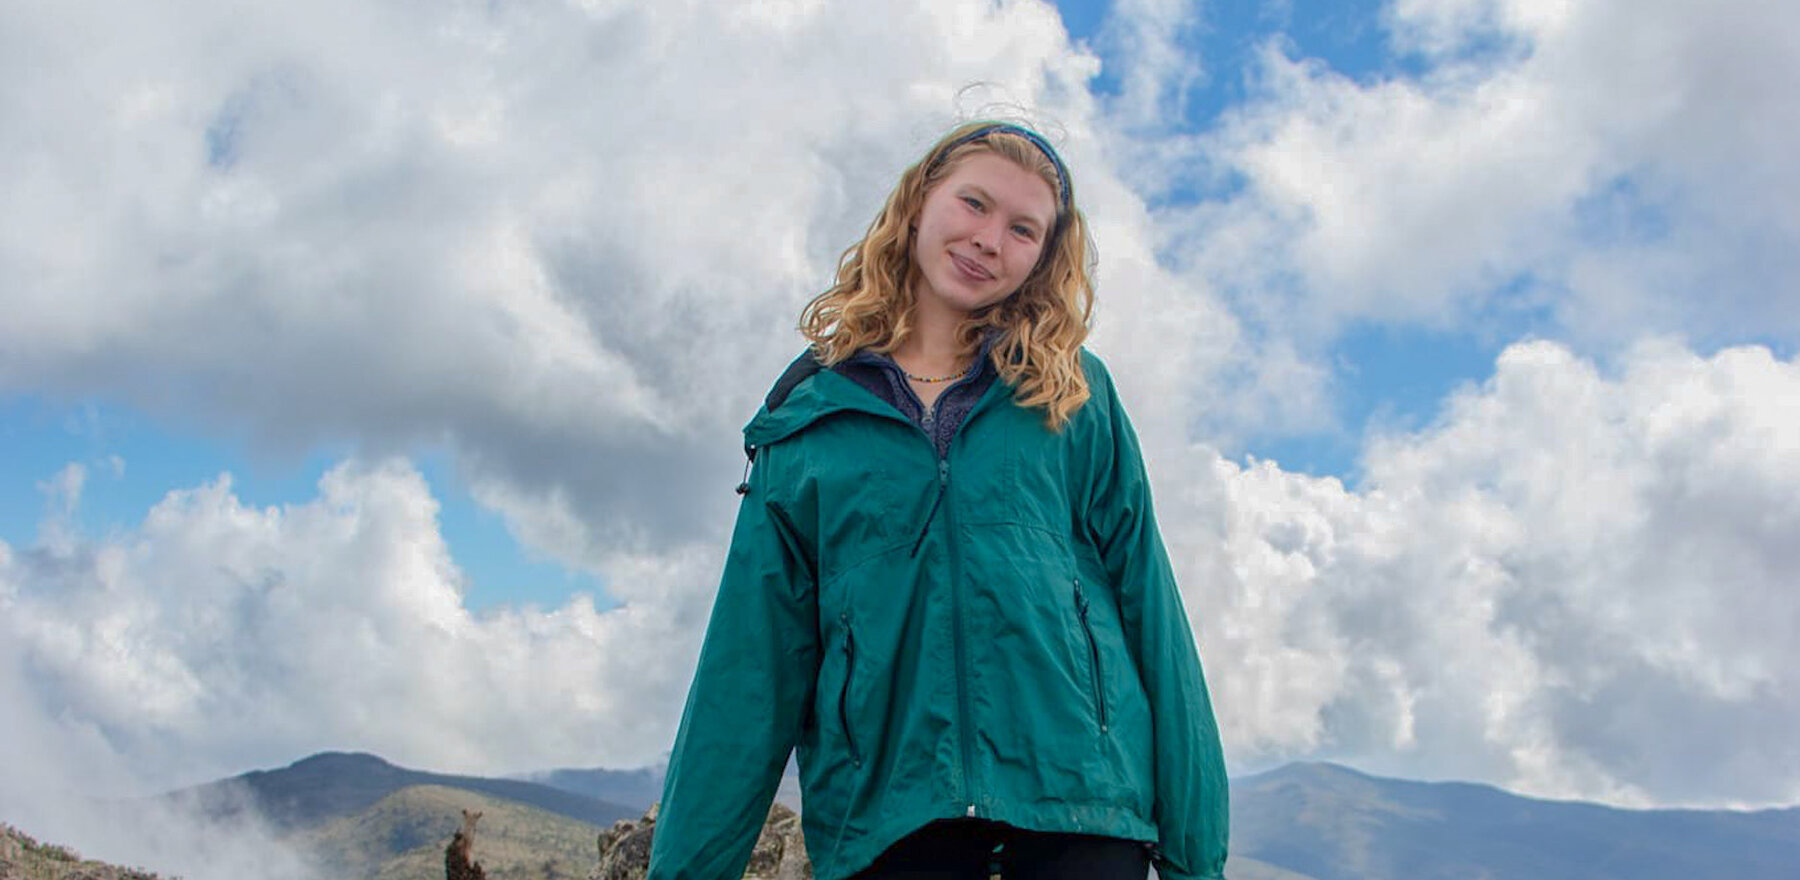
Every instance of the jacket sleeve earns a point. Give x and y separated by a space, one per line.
1191 800
755 679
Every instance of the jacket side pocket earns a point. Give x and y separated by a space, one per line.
844 695
1094 672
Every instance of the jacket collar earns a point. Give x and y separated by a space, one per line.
822 392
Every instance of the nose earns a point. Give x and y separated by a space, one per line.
986 239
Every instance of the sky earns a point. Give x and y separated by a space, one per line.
371 372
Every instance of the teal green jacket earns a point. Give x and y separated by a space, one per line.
996 634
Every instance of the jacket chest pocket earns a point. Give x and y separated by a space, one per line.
862 492
1028 482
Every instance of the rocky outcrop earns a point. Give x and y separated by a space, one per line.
625 849
780 852
459 856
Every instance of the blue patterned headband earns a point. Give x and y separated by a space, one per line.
1037 140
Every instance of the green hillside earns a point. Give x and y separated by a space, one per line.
402 837
24 858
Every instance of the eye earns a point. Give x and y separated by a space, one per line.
1026 232
973 202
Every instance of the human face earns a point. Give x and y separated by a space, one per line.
979 234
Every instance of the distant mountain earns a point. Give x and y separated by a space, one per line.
1329 822
637 789
366 818
642 787
330 785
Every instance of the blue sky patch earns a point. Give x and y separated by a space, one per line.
132 463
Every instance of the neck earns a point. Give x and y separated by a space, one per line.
932 347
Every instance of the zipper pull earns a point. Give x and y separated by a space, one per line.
938 499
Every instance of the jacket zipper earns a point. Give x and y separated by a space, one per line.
960 638
964 713
844 695
1087 627
928 429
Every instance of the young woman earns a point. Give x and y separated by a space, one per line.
946 587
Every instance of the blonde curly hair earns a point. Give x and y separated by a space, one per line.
1041 325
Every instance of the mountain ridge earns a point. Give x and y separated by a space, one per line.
1337 823
1325 768
1301 821
326 785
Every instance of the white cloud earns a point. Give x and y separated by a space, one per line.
60 761
1584 168
1158 72
1577 582
216 637
552 237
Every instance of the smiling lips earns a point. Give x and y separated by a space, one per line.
971 268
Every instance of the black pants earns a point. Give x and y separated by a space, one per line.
967 849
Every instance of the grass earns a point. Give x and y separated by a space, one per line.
49 861
402 837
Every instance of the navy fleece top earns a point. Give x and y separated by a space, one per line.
885 379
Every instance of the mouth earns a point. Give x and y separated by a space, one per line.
971 268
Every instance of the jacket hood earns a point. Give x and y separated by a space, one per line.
797 402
